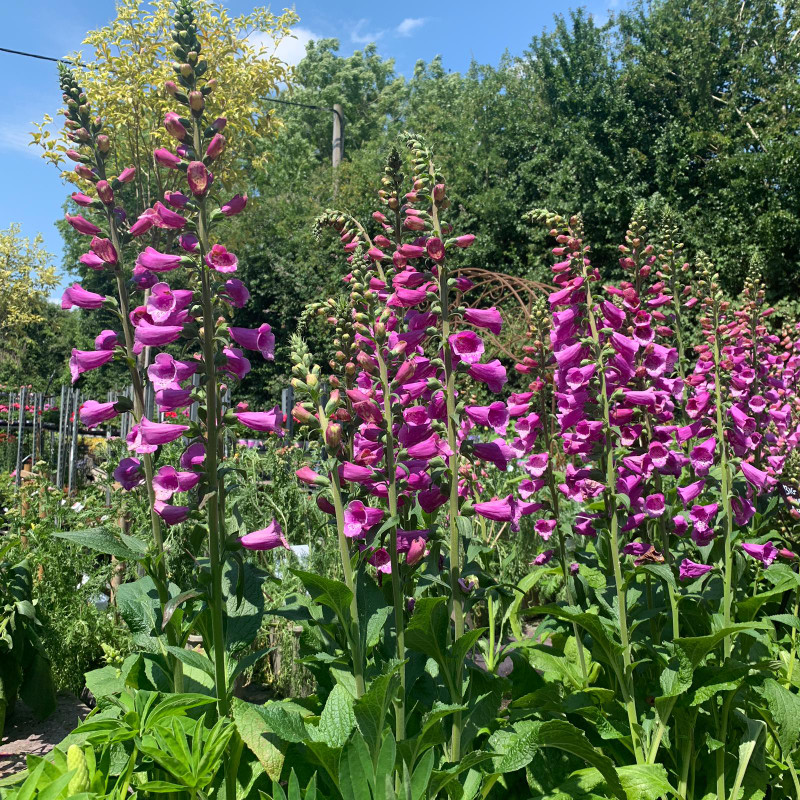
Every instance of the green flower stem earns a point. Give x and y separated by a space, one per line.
354 634
793 651
722 736
626 678
397 587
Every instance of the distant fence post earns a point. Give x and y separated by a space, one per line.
287 404
73 449
20 433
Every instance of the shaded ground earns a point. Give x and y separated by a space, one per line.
25 734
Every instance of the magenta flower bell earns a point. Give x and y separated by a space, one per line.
172 515
492 374
151 335
691 569
264 421
198 178
93 413
235 292
84 360
166 158
266 539
82 225
168 481
129 473
194 456
154 261
756 477
488 318
76 295
765 553
261 339
221 260
359 519
467 345
235 205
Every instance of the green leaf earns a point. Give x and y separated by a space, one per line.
172 604
251 724
287 723
421 776
371 709
518 749
245 612
192 659
784 708
753 732
138 605
327 592
356 779
337 719
663 573
591 623
101 540
427 631
104 681
160 787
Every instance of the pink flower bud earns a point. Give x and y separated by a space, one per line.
127 175
174 126
104 249
435 248
85 172
171 87
103 143
215 146
82 199
74 155
197 177
166 159
464 241
219 124
196 101
105 192
235 205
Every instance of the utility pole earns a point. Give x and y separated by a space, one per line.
337 152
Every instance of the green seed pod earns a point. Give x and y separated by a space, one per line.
80 780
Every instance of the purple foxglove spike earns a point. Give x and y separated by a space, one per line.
129 473
76 295
219 259
82 225
84 360
266 539
264 421
93 413
150 335
691 569
235 205
172 515
261 339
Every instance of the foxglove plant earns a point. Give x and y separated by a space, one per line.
192 320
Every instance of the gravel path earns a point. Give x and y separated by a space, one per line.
25 734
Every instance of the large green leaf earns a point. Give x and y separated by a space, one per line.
328 592
517 750
371 709
356 777
245 609
591 623
102 540
252 726
337 720
138 605
784 708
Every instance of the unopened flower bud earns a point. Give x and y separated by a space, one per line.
333 436
197 177
196 101
186 72
105 192
171 87
174 126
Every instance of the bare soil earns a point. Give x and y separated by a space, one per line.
26 735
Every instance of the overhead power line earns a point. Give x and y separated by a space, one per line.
35 55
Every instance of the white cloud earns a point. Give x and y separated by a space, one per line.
16 137
291 49
357 37
408 25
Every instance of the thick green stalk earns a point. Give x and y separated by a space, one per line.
397 587
722 736
354 634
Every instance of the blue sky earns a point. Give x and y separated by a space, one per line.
458 30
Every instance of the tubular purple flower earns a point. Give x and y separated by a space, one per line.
93 413
360 519
172 399
198 178
492 374
654 505
76 295
128 474
765 553
702 456
163 301
84 360
497 451
168 481
82 225
756 477
236 292
172 515
194 456
743 510
166 158
544 527
310 478
92 260
127 175
691 569
151 335
235 205
167 219
690 492
154 261
106 340
416 551
215 146
543 558
81 199
265 421
467 345
221 260
105 250
494 416
167 373
174 126
266 539
158 433
353 473
261 339
235 363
